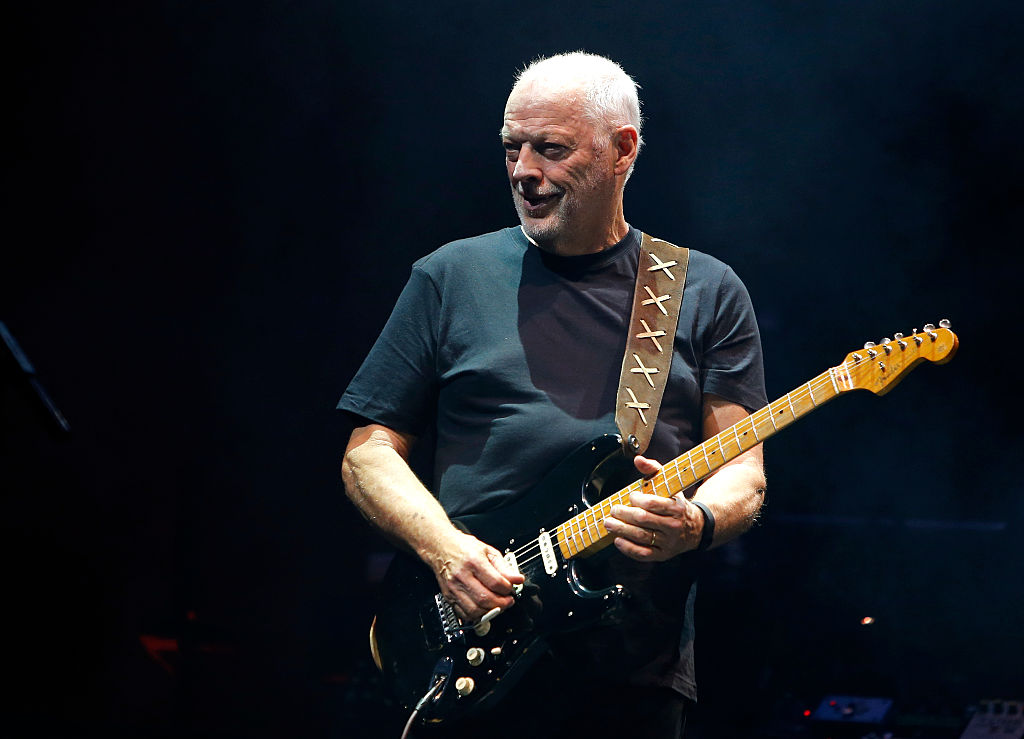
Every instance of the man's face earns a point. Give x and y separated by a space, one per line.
560 167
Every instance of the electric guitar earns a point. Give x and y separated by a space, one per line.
447 668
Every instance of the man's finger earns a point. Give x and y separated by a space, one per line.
505 567
645 466
656 504
490 573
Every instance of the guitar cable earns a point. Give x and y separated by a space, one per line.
422 702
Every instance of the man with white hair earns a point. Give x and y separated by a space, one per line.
506 349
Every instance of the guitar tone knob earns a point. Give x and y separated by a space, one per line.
475 656
464 686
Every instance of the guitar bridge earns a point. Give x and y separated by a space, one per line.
450 623
440 624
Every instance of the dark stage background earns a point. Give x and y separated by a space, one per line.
209 209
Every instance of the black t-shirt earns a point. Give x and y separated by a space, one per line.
510 357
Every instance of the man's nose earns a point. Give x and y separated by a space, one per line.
526 166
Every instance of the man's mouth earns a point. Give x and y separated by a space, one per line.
535 202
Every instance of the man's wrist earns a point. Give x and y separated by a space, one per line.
707 532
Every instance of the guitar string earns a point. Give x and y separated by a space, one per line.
823 380
589 527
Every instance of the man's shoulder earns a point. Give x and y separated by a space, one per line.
701 264
468 252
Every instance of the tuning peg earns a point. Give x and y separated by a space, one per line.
899 340
885 345
929 328
870 346
945 323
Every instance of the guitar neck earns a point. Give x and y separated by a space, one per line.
585 533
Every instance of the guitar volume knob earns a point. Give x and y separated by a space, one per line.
475 656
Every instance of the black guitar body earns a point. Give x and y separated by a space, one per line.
420 642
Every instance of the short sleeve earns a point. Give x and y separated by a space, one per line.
396 386
733 366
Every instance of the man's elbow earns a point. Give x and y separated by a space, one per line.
758 496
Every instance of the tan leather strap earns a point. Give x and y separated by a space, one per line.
660 279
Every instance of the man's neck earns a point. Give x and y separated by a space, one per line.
578 244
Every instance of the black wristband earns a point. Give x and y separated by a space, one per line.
708 532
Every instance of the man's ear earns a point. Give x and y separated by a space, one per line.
625 140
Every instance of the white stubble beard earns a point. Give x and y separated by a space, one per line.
554 225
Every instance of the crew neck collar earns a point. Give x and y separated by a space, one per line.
584 262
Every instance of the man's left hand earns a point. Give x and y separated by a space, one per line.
652 528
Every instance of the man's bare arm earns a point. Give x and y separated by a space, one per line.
654 528
473 575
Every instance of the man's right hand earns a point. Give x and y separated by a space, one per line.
473 576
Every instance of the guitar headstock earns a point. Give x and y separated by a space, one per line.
879 367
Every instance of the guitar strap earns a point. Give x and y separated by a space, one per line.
657 297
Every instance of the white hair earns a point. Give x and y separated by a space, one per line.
609 95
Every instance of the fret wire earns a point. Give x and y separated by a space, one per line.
571 543
832 376
586 529
796 394
590 520
679 476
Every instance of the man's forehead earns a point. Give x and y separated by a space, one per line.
540 93
536 110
